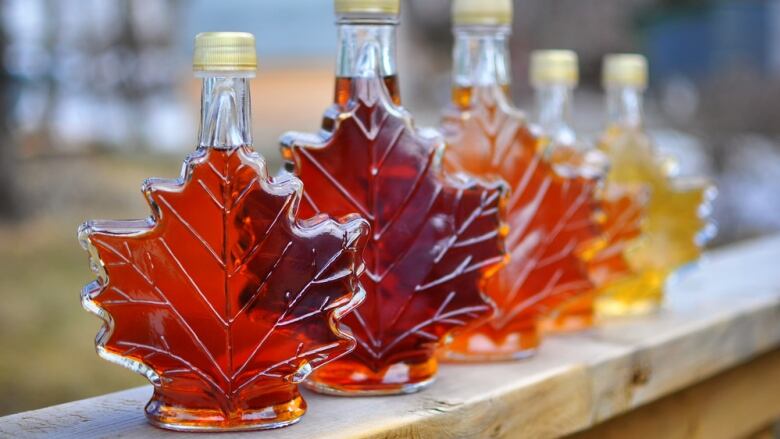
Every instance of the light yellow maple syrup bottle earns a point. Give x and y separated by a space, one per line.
676 224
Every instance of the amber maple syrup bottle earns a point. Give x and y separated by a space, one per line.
223 298
435 237
550 214
554 75
676 224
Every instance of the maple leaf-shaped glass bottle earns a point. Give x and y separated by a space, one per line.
551 216
223 298
434 236
554 75
677 213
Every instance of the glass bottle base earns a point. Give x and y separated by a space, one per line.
209 420
484 347
354 379
567 323
607 307
637 296
574 315
458 357
375 390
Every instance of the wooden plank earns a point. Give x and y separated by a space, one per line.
720 316
765 433
733 404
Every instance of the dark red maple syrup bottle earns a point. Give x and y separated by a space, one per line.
435 237
223 298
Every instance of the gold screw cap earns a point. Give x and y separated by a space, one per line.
482 12
628 70
224 52
554 67
392 7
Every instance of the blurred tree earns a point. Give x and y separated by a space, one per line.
94 74
10 202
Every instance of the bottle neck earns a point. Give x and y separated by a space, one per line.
226 112
553 106
480 60
624 106
366 49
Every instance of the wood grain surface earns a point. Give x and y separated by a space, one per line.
722 316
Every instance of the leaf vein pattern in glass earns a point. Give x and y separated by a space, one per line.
434 236
223 298
551 218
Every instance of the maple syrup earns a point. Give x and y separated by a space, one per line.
434 236
676 224
550 215
554 75
223 298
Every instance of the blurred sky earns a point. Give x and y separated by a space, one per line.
292 31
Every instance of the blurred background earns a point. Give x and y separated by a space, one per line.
96 95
